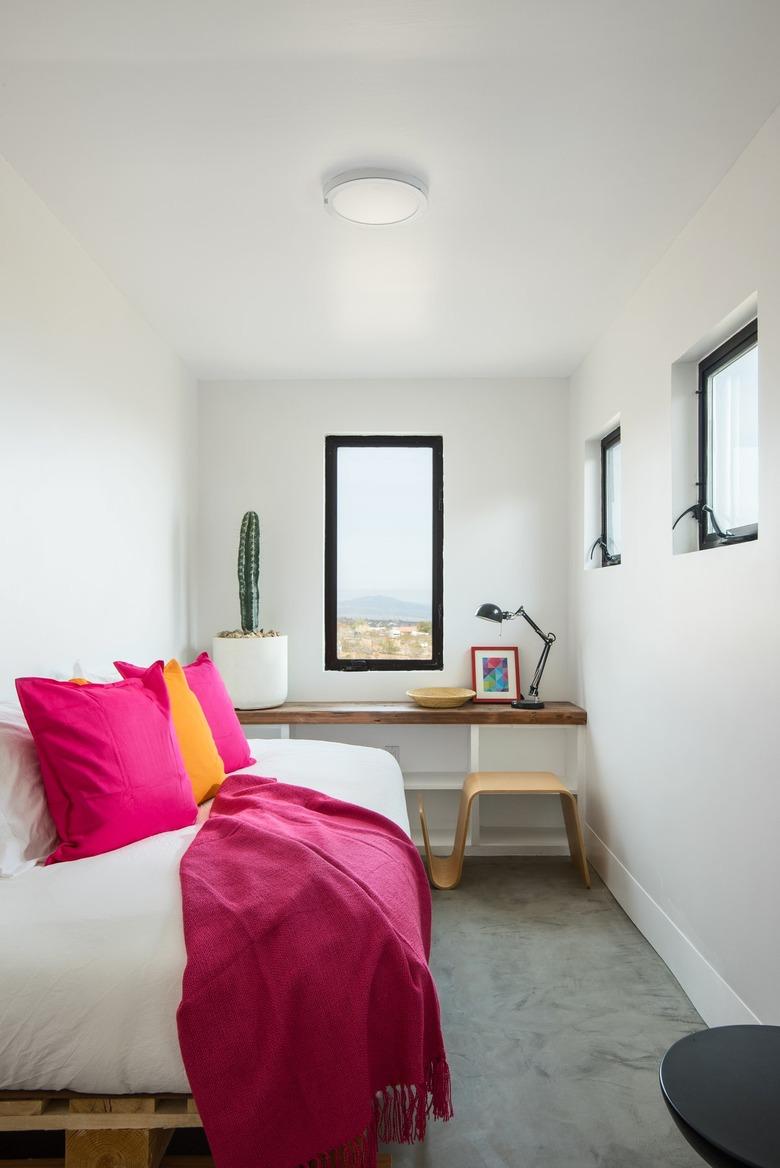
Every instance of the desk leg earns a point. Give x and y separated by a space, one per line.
473 835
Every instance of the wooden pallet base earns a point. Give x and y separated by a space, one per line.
167 1162
116 1149
116 1131
68 1111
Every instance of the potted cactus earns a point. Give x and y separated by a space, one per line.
252 660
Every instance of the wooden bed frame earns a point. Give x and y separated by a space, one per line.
133 1131
109 1131
106 1131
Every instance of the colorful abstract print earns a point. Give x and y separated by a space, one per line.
495 674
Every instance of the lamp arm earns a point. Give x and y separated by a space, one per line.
549 641
536 680
549 637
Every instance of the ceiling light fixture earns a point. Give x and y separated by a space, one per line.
375 197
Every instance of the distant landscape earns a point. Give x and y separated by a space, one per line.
383 608
382 627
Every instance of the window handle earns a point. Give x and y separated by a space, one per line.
693 511
721 534
696 510
599 541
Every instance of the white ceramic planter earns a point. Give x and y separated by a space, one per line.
254 670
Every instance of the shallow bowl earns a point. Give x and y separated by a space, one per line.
440 697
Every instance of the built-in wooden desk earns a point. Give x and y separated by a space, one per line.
410 714
485 839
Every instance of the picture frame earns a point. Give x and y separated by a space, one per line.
495 673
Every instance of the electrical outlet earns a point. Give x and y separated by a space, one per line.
396 753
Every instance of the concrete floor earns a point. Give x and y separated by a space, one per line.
556 1014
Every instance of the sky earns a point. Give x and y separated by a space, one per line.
385 522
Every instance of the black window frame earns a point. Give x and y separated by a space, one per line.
607 442
743 340
333 443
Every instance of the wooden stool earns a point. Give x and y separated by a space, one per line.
446 871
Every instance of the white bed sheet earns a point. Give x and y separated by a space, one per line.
92 952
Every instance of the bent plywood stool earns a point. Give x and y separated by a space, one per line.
446 871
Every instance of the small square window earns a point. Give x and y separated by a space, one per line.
728 441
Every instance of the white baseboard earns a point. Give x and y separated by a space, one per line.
716 1001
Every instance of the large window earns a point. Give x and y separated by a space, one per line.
728 441
611 503
384 528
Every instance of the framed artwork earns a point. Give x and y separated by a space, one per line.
495 673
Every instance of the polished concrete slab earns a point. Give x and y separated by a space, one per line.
556 1014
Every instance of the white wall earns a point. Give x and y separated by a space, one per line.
678 654
505 521
505 512
96 459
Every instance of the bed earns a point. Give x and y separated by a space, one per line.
93 952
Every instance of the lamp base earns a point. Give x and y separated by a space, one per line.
525 704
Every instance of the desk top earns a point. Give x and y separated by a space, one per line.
408 713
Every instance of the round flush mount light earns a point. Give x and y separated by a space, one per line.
375 197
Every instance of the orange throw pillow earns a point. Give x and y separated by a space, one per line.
202 760
196 742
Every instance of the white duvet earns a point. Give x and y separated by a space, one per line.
92 952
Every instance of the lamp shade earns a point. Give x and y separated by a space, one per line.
490 612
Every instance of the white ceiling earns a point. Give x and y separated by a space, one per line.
565 142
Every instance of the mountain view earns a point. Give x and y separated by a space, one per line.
383 608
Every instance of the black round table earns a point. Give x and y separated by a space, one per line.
722 1087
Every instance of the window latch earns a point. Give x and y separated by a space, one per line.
607 556
696 510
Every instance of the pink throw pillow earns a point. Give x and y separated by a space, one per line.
206 683
109 759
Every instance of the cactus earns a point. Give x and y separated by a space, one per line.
248 572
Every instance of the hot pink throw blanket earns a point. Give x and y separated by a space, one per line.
309 1021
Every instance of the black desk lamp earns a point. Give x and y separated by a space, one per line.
492 612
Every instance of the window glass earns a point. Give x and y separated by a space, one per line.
732 440
613 515
383 553
611 539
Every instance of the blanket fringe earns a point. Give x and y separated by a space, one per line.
402 1112
400 1116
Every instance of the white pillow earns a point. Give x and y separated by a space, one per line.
27 832
102 672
